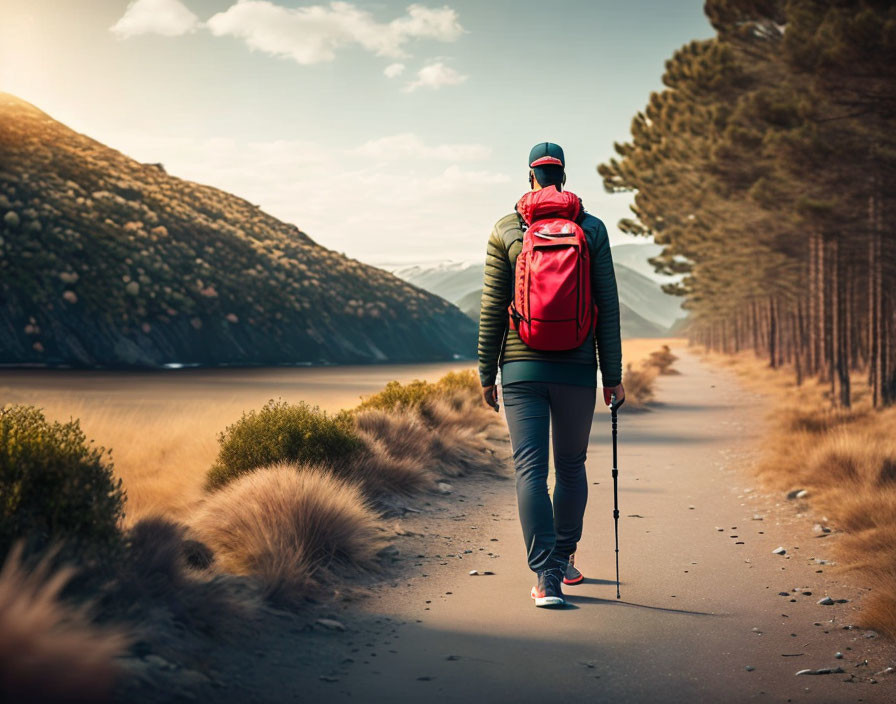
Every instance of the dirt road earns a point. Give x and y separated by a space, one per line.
701 618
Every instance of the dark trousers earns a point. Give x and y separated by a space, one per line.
551 530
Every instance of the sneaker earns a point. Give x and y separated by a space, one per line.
547 592
572 575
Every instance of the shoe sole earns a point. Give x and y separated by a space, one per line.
549 602
577 580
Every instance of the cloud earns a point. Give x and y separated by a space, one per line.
170 18
393 70
410 146
434 76
340 198
312 34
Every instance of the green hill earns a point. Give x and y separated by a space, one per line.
107 261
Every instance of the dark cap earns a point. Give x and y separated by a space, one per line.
546 154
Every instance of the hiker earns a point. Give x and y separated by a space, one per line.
536 324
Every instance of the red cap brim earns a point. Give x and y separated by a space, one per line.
545 161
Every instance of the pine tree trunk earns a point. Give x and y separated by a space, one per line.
772 334
833 311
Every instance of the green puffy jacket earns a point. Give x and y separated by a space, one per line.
504 246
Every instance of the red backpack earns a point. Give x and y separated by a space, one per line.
552 308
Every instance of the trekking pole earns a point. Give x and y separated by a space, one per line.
613 408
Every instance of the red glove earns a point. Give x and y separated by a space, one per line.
610 390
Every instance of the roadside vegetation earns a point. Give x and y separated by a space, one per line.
289 505
845 461
297 500
639 378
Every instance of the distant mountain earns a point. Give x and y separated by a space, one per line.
451 280
645 297
633 325
646 311
635 256
470 303
107 261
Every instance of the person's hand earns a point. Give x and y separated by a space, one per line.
490 396
609 391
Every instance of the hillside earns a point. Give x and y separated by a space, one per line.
645 310
107 261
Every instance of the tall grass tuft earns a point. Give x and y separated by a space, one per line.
448 449
50 651
294 526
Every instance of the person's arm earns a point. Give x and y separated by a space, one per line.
607 336
496 293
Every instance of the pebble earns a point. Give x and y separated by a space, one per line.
826 601
779 551
453 657
885 671
757 517
871 634
444 487
756 630
473 572
838 655
328 678
821 671
330 624
749 668
819 529
793 493
719 529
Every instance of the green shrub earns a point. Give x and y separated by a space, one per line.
397 396
282 432
54 485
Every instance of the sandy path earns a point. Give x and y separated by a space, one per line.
691 595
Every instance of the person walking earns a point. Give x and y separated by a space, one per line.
549 359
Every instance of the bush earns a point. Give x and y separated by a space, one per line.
282 432
51 652
662 359
398 396
54 485
638 383
294 526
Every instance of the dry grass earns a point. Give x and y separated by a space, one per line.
164 575
846 461
449 449
161 453
662 359
49 651
639 385
293 526
378 470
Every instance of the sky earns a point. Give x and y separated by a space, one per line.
396 133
